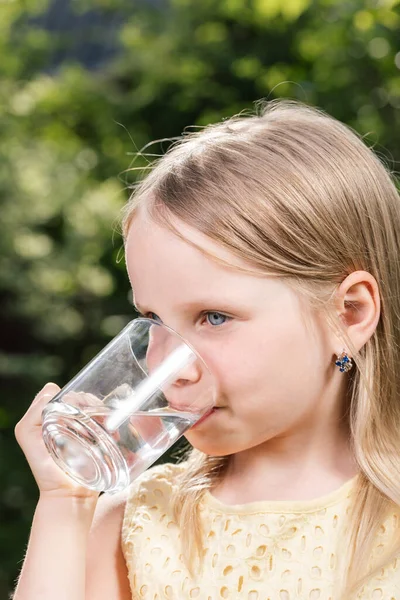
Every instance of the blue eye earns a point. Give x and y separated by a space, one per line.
213 317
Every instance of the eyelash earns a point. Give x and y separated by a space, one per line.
203 314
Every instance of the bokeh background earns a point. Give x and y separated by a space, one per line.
86 84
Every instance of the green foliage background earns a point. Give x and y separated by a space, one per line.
69 133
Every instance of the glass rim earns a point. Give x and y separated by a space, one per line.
175 333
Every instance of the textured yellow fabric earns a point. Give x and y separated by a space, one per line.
269 550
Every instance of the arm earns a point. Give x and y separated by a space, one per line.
74 551
54 565
74 541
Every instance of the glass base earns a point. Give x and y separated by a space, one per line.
83 450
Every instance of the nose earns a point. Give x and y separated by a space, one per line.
191 387
162 344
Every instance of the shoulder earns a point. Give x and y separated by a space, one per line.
154 482
151 490
154 486
161 477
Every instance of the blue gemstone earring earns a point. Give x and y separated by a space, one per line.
344 362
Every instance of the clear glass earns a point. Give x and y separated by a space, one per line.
127 407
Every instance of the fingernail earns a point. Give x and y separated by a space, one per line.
50 385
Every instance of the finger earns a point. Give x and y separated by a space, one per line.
33 416
50 389
81 399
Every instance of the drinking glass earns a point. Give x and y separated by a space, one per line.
127 406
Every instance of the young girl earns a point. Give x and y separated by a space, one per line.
271 243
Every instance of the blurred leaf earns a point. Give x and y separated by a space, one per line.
85 85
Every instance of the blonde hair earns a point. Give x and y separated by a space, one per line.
298 194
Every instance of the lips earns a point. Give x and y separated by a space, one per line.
212 411
179 408
184 409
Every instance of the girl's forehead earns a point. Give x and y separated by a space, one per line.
160 263
147 240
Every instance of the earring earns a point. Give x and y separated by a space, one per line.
344 362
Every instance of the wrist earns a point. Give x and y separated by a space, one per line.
68 504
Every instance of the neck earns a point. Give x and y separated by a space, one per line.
306 463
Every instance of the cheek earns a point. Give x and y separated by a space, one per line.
276 359
289 345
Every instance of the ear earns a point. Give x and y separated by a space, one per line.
358 304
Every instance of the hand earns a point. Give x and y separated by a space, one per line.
51 480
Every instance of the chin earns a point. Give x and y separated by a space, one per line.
208 446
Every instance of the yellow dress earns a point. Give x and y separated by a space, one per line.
266 550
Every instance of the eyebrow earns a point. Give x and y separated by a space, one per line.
188 306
